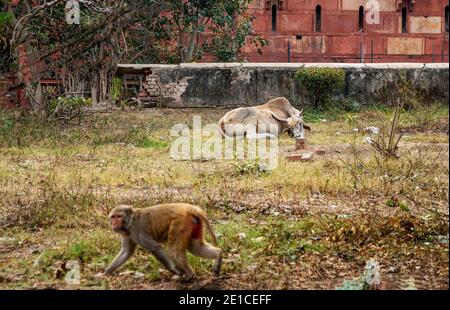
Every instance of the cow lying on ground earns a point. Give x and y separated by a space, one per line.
256 122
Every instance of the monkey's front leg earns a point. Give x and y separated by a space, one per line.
157 250
126 251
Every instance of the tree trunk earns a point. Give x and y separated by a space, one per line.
190 48
94 92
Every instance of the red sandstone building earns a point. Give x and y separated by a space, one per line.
347 30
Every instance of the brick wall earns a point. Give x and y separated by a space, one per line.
11 94
153 90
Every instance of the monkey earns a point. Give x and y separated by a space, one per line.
180 226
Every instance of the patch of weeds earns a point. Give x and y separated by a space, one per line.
385 140
313 116
248 167
426 117
349 105
371 229
67 108
309 246
402 89
21 128
411 179
47 259
82 251
70 206
150 143
287 239
316 116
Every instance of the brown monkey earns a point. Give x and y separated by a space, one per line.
178 225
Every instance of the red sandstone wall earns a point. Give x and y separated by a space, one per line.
11 93
340 40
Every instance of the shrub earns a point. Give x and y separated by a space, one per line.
321 84
349 105
402 88
247 167
67 108
116 89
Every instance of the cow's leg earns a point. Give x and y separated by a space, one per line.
251 132
255 135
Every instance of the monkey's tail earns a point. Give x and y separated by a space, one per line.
203 217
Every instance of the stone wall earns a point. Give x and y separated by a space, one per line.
230 85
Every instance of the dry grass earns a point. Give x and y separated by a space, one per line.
303 225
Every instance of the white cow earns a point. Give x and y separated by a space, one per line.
256 122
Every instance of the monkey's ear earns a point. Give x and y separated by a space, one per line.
127 209
130 211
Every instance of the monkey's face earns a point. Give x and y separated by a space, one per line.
117 221
119 218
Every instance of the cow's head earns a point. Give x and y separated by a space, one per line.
295 124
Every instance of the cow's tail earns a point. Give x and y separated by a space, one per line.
199 213
222 128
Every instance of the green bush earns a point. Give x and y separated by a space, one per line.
321 84
116 89
67 108
348 105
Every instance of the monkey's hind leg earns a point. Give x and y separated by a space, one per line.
177 242
203 249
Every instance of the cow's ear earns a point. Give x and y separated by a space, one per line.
307 127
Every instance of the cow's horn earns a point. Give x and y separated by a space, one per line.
301 111
279 119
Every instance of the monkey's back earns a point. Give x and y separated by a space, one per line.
158 218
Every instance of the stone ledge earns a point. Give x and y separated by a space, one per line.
140 67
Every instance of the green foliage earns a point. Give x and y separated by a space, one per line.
67 108
351 121
6 124
348 105
150 143
321 84
184 21
232 31
82 251
393 202
247 167
6 23
116 89
6 18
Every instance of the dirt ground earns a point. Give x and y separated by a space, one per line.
304 225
